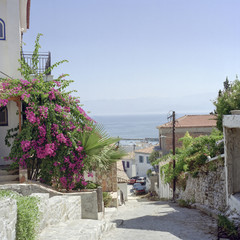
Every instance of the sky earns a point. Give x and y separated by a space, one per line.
141 56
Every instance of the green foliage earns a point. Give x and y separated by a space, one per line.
100 148
107 199
228 99
149 172
191 156
27 214
183 203
153 156
227 226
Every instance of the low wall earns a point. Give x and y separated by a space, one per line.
89 207
52 211
124 188
8 219
209 188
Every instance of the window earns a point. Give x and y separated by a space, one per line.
148 160
141 159
128 165
2 30
3 116
123 163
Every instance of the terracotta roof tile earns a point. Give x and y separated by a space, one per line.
192 121
145 150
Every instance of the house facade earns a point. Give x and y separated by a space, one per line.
142 161
14 21
196 125
129 166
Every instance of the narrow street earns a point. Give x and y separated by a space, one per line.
143 219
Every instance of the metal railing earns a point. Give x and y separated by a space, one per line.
44 61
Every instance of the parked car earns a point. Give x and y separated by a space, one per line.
132 180
141 180
138 188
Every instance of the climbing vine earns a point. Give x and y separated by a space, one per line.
58 141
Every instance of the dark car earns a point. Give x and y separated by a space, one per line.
138 188
132 180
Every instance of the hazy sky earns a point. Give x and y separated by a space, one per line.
140 56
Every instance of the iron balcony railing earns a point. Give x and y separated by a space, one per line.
44 61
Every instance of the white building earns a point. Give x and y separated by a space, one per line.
14 21
129 165
142 161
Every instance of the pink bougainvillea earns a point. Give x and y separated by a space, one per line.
49 138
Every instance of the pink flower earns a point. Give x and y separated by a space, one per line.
90 174
25 145
58 108
31 117
3 102
42 130
61 138
25 82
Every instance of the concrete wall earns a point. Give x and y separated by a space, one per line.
89 207
164 190
231 127
8 219
123 188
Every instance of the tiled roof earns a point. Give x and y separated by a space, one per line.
192 121
145 150
129 156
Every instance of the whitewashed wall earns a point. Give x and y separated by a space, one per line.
10 48
141 168
13 121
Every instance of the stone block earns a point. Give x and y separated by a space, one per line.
89 205
8 219
43 209
73 207
57 210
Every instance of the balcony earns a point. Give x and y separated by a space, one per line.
44 61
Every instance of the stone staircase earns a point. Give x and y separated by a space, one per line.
8 176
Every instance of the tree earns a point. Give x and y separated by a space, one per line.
228 99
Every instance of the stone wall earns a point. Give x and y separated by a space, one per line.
89 207
52 211
209 188
8 218
108 180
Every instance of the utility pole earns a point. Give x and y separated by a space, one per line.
172 116
174 146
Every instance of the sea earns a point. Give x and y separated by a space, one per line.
133 129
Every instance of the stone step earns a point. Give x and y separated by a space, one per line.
9 172
82 229
10 182
8 178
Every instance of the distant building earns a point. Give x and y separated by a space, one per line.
196 125
142 161
129 165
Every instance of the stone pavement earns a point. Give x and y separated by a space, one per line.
143 219
84 229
